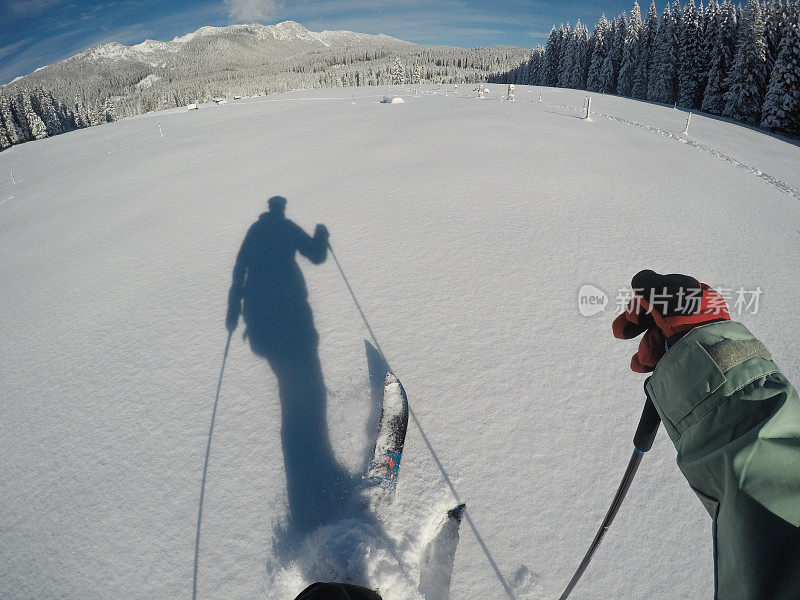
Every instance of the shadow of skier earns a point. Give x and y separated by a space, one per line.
269 290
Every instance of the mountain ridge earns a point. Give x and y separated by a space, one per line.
285 31
112 80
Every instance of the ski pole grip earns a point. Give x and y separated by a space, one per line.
648 425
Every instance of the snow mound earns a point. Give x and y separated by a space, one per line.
391 100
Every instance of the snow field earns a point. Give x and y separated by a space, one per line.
465 228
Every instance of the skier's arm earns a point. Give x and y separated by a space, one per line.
732 415
237 285
314 248
722 398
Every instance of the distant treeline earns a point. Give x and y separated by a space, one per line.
741 62
79 93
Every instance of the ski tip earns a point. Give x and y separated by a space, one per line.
390 379
457 512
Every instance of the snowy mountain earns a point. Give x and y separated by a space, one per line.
464 229
272 40
113 81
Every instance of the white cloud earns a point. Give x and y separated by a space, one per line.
251 10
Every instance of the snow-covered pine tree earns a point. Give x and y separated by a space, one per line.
647 40
739 18
662 78
724 50
552 57
567 55
20 117
47 108
747 78
611 64
4 141
535 67
398 73
110 111
38 129
416 75
630 52
707 33
690 58
579 61
775 22
13 130
781 111
601 43
81 114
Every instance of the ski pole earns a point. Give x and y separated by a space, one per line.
205 468
358 306
642 442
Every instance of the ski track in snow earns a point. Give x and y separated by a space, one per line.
770 179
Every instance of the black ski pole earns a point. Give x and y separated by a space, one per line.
205 467
642 441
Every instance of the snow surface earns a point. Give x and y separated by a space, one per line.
465 229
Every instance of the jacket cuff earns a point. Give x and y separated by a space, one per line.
697 374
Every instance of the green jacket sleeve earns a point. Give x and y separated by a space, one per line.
733 417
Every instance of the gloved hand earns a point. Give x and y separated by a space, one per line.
665 308
234 309
321 232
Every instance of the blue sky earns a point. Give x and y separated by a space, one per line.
34 33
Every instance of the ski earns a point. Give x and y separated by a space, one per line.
385 466
438 556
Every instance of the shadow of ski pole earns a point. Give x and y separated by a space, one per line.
205 470
439 464
453 491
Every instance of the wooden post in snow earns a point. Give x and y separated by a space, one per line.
688 119
588 107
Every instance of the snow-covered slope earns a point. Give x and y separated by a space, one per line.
465 229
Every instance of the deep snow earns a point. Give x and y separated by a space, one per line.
465 229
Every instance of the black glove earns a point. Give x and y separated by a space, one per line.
665 308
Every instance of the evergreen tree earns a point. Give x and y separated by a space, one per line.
416 75
781 111
13 130
81 113
579 60
110 111
775 28
690 66
38 129
747 78
535 67
630 52
20 116
45 106
4 141
398 73
552 57
567 55
611 64
647 41
724 49
601 42
707 35
662 80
